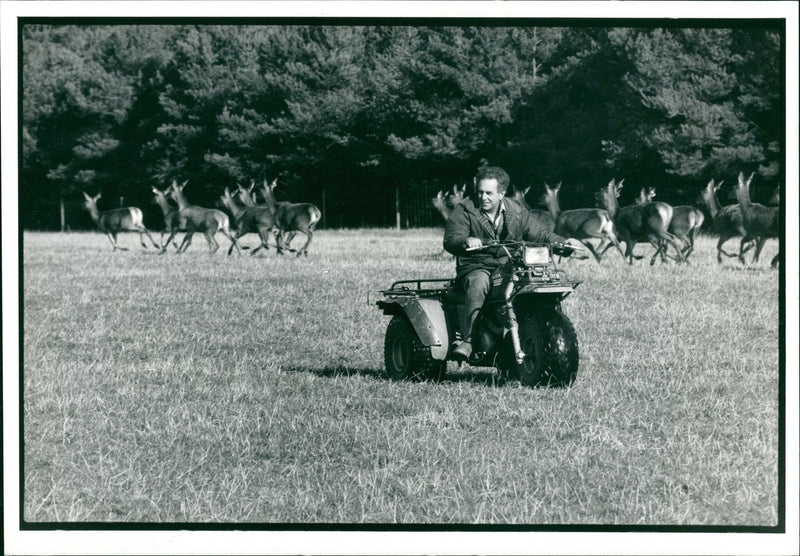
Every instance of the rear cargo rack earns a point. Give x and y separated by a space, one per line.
404 285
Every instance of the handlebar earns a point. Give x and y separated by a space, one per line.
559 248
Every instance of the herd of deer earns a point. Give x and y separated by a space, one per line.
649 221
282 219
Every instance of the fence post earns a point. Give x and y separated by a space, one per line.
397 207
63 219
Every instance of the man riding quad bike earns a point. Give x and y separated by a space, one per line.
503 309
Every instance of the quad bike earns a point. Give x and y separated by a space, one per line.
521 329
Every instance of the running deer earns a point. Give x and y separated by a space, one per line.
637 223
581 224
446 203
172 219
543 218
247 195
292 217
759 221
198 219
111 222
727 222
686 220
250 219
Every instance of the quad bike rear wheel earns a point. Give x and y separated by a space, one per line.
404 355
551 350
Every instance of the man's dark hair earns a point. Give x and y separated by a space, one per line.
493 172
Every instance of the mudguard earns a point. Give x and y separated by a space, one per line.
428 319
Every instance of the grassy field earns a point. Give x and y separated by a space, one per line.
221 389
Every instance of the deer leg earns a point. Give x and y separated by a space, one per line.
662 247
239 234
684 244
187 241
629 245
227 234
288 237
147 233
676 242
169 240
304 248
615 243
658 246
745 245
279 241
113 237
212 243
721 251
672 240
144 231
606 245
776 259
264 235
691 244
759 246
592 249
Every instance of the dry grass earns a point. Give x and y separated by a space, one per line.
213 389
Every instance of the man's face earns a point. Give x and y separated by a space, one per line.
488 196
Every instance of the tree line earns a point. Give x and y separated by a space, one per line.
364 108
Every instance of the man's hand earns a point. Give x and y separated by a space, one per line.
574 248
473 243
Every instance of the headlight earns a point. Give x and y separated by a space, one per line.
536 255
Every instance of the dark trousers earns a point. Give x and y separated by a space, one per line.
476 284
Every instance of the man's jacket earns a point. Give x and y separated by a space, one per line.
466 221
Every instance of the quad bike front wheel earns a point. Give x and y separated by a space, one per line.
405 356
550 346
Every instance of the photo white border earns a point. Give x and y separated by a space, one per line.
392 542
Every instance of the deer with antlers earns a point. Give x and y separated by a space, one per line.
291 218
637 223
727 222
759 222
446 203
581 224
111 222
542 218
172 220
247 195
250 219
686 220
198 219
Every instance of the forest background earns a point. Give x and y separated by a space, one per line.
368 113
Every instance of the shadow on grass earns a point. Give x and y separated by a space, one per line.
750 269
476 375
336 371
